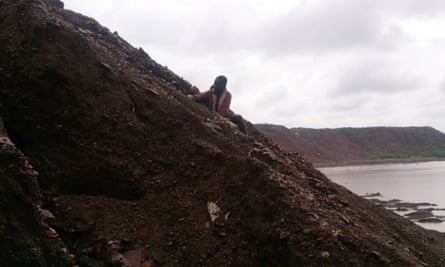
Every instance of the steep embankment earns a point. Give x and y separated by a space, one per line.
360 145
129 166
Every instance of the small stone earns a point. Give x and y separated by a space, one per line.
380 257
213 210
346 219
324 254
226 217
114 245
47 214
6 140
430 220
284 234
51 233
134 257
120 259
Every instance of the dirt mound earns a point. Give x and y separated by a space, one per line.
133 171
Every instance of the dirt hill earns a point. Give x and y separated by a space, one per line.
105 162
360 145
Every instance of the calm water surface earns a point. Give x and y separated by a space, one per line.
409 182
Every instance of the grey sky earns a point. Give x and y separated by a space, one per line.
306 63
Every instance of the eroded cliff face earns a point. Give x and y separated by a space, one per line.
133 171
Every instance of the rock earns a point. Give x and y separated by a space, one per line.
379 257
430 220
213 211
264 154
324 254
51 233
420 214
134 257
47 214
114 245
284 234
346 219
119 260
226 217
378 194
6 140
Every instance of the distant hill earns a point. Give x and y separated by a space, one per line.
360 145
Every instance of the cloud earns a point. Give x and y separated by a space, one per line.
276 97
376 77
416 8
281 28
310 63
442 86
323 27
330 26
347 105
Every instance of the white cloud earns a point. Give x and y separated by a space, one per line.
317 63
376 78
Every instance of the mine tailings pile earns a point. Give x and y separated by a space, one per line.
104 160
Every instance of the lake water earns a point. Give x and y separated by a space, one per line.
409 182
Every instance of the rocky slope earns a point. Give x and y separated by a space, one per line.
103 138
360 145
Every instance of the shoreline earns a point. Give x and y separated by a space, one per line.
426 210
375 162
421 213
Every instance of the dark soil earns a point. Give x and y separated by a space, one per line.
128 165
